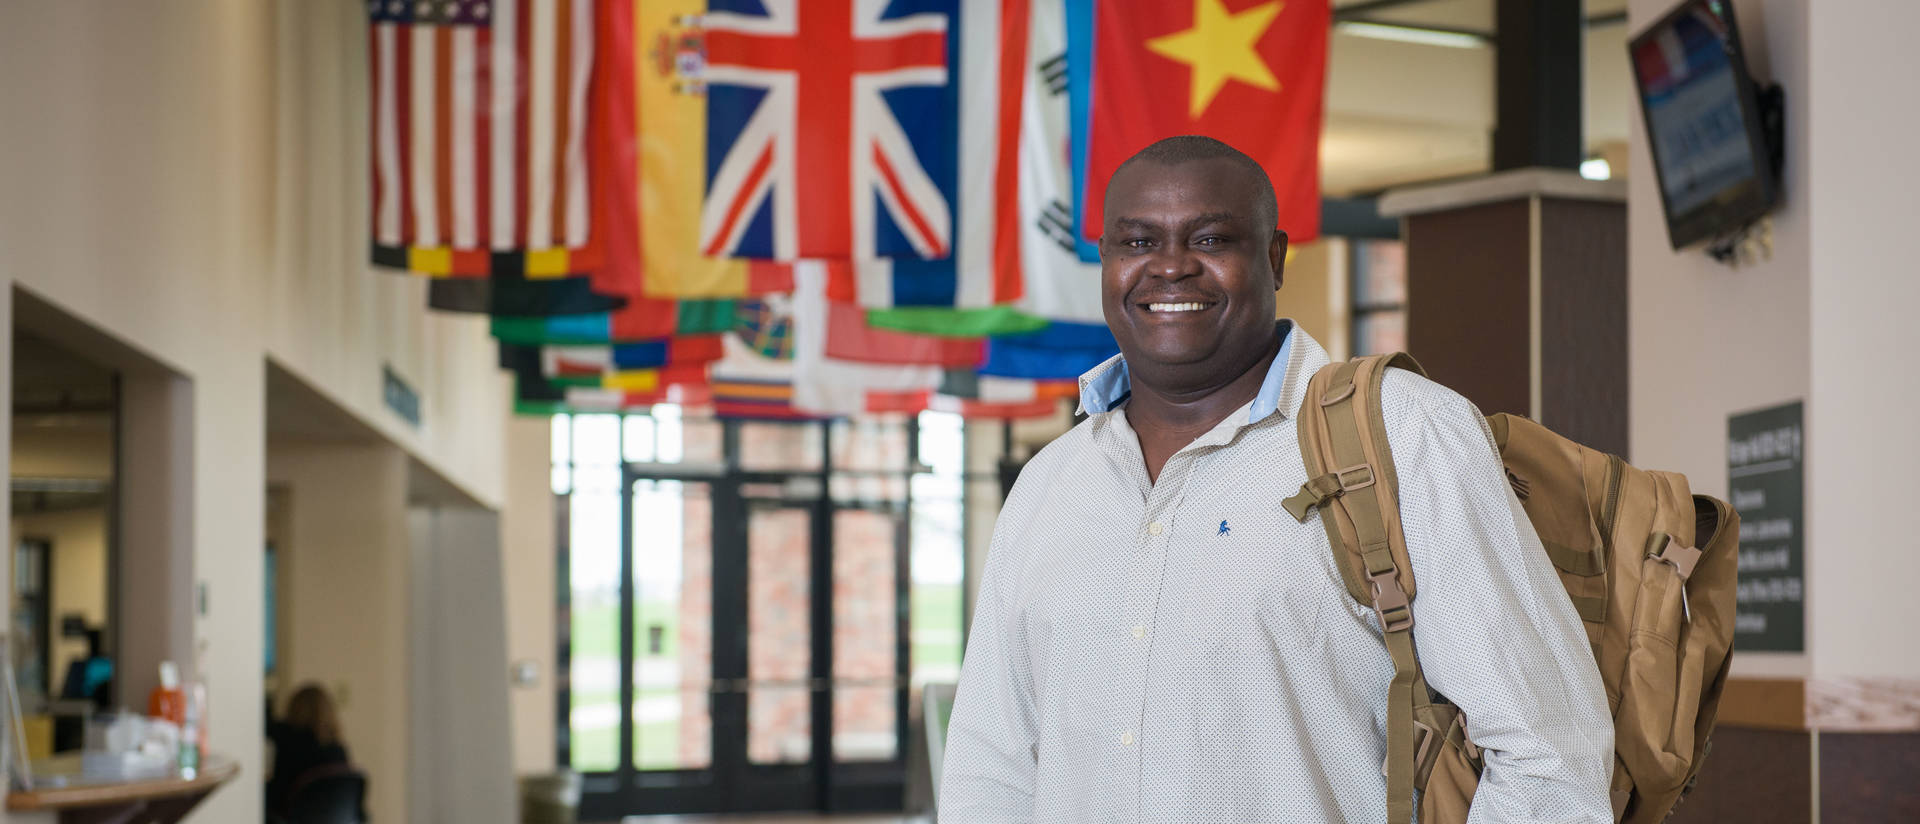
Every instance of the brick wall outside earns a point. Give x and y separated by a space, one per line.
779 645
695 642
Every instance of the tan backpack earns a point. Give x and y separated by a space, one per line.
1648 565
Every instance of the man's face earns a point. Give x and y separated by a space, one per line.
1187 274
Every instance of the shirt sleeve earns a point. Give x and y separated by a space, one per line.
1494 629
991 760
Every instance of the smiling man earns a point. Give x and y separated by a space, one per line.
1155 639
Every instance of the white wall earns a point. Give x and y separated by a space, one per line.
527 555
1704 340
329 318
461 771
1707 340
1862 445
348 569
183 176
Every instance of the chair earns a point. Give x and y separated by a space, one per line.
327 794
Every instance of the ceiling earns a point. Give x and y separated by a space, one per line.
48 375
1402 112
57 390
1455 15
298 412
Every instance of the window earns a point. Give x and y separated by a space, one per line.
1379 292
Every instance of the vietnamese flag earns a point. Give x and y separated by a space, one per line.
1250 73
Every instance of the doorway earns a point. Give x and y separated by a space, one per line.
746 616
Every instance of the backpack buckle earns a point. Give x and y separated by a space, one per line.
1423 738
1390 602
1337 394
1661 547
1361 475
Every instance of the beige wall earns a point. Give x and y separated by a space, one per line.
1704 340
185 177
1861 441
1313 292
527 531
347 562
1708 340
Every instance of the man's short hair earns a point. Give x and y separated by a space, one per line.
1174 151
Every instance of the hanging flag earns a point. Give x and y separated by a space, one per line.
765 326
1062 351
1079 19
1252 78
480 159
650 62
845 103
972 385
1059 284
514 295
536 394
964 295
632 365
748 383
991 410
630 324
830 386
850 338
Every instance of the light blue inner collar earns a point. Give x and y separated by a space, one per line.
1111 387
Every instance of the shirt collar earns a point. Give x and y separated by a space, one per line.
1106 387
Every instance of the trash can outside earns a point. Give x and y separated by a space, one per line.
552 798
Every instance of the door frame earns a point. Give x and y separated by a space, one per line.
731 783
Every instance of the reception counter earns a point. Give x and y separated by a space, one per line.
61 795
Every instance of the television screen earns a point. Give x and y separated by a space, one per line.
1703 121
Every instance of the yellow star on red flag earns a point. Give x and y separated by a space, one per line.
1220 47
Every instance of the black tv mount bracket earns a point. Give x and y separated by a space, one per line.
1771 100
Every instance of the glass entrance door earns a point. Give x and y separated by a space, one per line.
742 643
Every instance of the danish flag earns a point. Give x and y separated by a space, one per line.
824 106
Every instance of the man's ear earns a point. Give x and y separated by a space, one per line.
1277 257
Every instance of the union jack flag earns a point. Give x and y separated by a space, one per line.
845 103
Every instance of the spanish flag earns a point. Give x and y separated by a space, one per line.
656 113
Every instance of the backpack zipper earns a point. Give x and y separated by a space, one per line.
1616 471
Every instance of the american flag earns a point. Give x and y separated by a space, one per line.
480 146
836 102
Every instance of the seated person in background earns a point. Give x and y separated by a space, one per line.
308 737
91 677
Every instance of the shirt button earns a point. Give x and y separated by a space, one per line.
1140 632
1126 738
1155 528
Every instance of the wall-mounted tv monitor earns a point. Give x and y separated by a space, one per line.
1710 149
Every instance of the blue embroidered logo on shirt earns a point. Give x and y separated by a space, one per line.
1224 530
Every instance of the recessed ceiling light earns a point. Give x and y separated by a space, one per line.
1410 34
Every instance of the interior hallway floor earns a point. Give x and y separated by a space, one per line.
779 818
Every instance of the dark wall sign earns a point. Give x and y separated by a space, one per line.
399 395
1766 451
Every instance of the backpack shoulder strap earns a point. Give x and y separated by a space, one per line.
1343 442
1351 480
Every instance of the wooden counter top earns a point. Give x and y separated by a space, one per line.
78 793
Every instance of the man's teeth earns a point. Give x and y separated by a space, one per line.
1175 307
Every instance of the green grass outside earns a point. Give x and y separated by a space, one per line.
935 617
596 628
656 746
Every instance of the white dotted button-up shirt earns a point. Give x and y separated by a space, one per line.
1184 651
